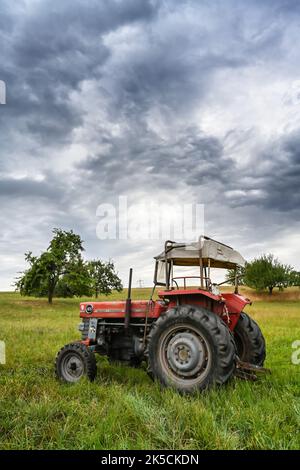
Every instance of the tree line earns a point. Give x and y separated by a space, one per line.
265 273
61 271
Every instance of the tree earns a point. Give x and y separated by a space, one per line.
61 262
266 272
103 277
294 278
76 282
230 276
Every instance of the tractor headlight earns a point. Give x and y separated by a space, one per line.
89 309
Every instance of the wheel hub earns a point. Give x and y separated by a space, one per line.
73 366
186 354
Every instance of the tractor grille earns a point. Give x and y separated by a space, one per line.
84 328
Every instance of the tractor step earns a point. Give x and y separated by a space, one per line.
247 371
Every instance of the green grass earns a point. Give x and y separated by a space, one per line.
123 408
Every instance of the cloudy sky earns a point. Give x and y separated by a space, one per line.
164 102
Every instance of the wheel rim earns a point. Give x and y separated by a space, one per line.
185 354
72 367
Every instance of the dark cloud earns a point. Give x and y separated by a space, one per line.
48 50
189 158
141 98
282 180
272 183
27 187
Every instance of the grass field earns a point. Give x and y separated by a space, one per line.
123 408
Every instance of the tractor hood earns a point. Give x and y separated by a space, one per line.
212 252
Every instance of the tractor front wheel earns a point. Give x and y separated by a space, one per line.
190 349
249 340
73 362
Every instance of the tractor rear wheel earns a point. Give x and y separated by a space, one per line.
249 340
190 349
73 362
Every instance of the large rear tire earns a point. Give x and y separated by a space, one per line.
249 340
190 349
73 362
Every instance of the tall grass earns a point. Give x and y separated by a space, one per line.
123 408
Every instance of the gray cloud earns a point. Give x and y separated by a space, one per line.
282 181
49 50
273 182
190 158
49 188
142 98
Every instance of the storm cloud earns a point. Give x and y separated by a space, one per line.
161 101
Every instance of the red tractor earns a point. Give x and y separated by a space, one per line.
191 337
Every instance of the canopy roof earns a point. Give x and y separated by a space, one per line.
188 254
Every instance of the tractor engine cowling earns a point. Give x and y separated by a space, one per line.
111 341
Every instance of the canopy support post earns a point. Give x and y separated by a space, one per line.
236 281
201 262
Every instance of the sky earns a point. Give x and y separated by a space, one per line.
160 102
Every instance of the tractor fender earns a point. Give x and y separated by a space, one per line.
235 303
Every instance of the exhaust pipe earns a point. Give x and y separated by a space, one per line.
128 302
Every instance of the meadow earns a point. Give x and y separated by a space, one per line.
123 408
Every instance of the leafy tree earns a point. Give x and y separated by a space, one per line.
61 262
75 282
266 272
230 276
103 277
294 278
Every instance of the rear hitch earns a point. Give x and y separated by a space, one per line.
247 371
